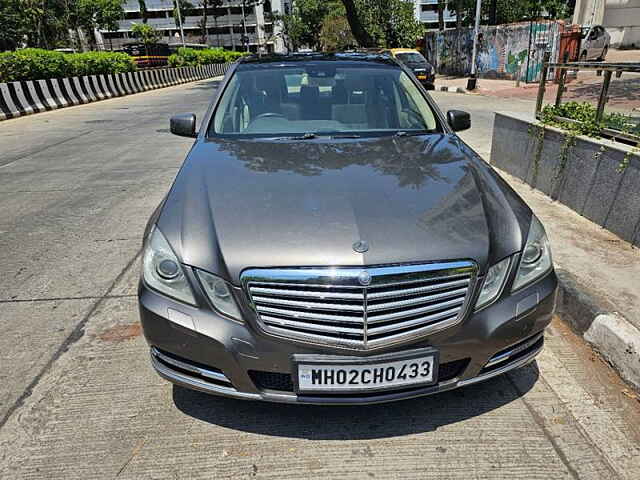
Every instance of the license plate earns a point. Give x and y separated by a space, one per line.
422 77
334 374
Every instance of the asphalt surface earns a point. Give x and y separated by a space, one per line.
78 398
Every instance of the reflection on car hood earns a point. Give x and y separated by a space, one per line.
256 203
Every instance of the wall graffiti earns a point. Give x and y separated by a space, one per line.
504 51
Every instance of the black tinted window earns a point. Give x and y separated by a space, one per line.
319 99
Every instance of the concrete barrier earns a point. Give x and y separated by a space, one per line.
24 98
584 173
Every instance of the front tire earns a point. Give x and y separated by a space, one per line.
604 54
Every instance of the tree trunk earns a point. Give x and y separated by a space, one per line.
441 4
205 5
458 14
493 13
361 35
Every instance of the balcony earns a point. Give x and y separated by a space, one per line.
432 17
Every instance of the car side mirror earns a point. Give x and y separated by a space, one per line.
458 120
183 125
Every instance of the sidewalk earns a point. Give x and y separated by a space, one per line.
624 94
599 273
600 280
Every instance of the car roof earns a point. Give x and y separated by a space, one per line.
338 57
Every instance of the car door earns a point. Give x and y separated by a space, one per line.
596 44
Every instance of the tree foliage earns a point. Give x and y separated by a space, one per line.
508 11
303 25
336 34
46 24
146 33
383 23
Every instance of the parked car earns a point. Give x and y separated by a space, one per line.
419 65
339 243
595 43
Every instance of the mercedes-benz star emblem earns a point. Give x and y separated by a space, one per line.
364 278
361 246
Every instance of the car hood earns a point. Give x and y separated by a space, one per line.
238 204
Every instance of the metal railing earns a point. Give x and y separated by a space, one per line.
606 70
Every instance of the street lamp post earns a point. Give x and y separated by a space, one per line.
180 21
471 83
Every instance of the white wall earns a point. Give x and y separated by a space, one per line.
621 18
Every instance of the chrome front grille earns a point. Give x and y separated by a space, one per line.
332 306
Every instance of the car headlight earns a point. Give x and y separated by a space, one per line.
162 271
219 292
493 282
535 260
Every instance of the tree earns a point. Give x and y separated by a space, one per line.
383 23
186 8
336 34
441 5
292 29
357 24
48 23
13 28
508 11
146 33
215 5
206 5
143 11
101 14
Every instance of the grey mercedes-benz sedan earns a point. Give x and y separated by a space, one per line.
330 239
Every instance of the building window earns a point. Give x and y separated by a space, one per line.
432 7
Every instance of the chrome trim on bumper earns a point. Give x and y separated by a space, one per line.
206 387
513 351
196 384
220 377
521 362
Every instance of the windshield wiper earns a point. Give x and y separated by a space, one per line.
305 136
346 135
414 133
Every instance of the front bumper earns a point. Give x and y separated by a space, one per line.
427 81
220 356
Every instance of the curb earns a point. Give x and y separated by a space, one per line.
446 88
18 99
608 332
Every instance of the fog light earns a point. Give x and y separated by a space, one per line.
532 253
168 269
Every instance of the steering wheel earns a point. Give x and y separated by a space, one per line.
268 115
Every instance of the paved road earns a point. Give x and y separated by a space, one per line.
78 398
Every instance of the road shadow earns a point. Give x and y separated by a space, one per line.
206 85
312 422
621 90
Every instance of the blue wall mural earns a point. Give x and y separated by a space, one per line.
504 51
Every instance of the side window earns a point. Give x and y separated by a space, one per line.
416 113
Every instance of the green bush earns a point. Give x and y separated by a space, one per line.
101 63
585 114
188 57
36 64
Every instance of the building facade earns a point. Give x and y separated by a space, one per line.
621 19
426 11
225 25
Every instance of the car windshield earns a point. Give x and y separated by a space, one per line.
410 57
320 99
